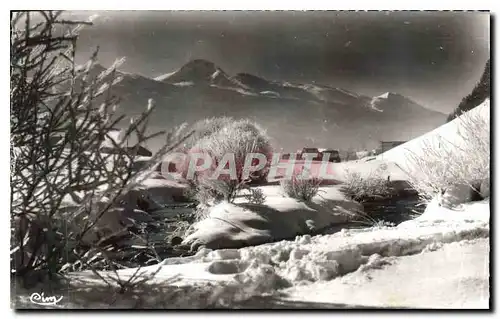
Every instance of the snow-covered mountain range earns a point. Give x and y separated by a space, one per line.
294 114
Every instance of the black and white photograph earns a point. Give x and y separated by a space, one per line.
250 159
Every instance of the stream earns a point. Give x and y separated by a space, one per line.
173 219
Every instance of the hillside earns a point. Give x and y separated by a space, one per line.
451 133
481 92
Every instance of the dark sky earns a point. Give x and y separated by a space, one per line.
434 58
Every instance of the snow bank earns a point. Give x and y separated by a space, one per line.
428 283
238 224
133 207
470 212
307 260
162 190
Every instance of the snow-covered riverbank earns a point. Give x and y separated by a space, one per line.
430 262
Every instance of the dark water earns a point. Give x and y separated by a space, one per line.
390 212
403 205
395 211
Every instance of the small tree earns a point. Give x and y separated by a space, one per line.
60 115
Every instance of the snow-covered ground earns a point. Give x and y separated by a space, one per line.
454 275
324 257
438 260
241 223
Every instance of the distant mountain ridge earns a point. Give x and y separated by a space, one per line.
294 114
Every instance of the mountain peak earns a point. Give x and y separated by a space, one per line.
384 96
326 113
195 71
393 97
395 101
200 63
388 95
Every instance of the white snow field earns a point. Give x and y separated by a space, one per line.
452 275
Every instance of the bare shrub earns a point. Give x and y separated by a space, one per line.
365 219
255 196
444 164
213 191
303 189
209 192
60 116
365 189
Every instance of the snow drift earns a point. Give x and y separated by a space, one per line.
241 223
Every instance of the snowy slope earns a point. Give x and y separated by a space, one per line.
447 135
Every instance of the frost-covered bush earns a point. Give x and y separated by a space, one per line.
466 162
362 189
239 138
61 115
255 196
232 142
300 188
